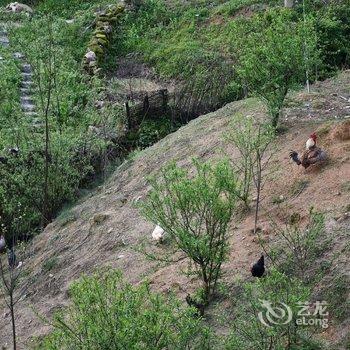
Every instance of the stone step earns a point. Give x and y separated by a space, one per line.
37 123
26 99
26 68
4 41
32 114
25 91
18 55
27 76
26 84
27 107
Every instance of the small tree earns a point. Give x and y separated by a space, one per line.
270 57
195 212
253 141
300 244
10 273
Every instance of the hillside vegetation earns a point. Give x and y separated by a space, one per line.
84 182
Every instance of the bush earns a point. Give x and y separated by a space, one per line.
151 131
108 313
195 211
300 245
280 330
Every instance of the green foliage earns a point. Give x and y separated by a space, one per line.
55 50
271 55
248 332
109 313
194 210
337 295
199 43
300 246
9 94
333 30
50 264
151 131
251 140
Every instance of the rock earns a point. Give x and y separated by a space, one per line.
18 7
99 104
90 56
70 21
107 28
26 68
136 199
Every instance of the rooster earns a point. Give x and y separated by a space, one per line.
311 155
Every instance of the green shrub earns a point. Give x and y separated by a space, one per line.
194 210
109 313
252 329
151 131
301 245
271 55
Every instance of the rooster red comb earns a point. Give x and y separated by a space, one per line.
313 136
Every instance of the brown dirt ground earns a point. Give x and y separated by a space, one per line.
104 227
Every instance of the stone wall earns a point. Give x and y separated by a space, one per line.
105 22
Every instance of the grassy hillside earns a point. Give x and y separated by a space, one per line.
74 172
106 228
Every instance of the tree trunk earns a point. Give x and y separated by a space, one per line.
258 189
13 322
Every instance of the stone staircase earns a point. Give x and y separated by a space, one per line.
27 84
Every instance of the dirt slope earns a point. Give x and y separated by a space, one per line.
105 227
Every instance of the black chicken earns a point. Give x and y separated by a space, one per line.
199 306
258 268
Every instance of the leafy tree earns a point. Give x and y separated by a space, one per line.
270 56
195 212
